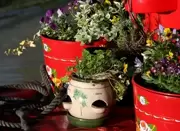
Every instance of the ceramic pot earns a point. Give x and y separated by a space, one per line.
151 6
59 55
155 111
89 99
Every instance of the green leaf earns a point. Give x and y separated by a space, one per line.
54 73
65 79
153 127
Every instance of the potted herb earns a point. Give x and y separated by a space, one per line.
95 85
157 87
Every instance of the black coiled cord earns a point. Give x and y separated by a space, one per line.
45 103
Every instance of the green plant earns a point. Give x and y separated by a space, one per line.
101 65
161 66
108 20
56 24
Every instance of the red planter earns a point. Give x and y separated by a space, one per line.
153 6
59 55
155 110
171 20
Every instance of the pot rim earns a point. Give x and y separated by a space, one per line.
69 41
152 91
74 77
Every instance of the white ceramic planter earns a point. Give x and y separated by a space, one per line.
84 94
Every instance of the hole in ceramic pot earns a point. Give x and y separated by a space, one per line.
99 104
67 103
68 99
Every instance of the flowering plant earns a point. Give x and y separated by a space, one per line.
102 65
106 19
56 24
161 66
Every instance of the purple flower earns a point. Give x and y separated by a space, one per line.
53 26
47 20
178 44
42 20
49 13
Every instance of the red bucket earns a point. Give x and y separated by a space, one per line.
153 6
155 111
59 55
171 20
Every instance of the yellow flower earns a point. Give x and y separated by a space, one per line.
22 42
167 33
56 81
125 68
75 7
149 42
114 19
107 2
148 73
170 55
31 44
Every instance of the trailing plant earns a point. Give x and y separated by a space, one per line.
56 24
108 19
101 65
161 66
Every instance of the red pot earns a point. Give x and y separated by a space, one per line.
59 55
152 6
171 20
155 110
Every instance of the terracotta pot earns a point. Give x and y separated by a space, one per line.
89 99
155 111
152 6
59 55
172 19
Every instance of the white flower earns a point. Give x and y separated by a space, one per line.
49 70
161 29
31 44
144 126
144 56
142 100
46 48
59 12
120 77
174 31
138 63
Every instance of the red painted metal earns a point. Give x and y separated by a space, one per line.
156 110
152 6
61 54
172 19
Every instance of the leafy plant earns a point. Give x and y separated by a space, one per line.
101 65
107 20
56 24
162 62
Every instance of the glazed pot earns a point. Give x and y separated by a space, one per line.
155 111
59 55
89 99
151 6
